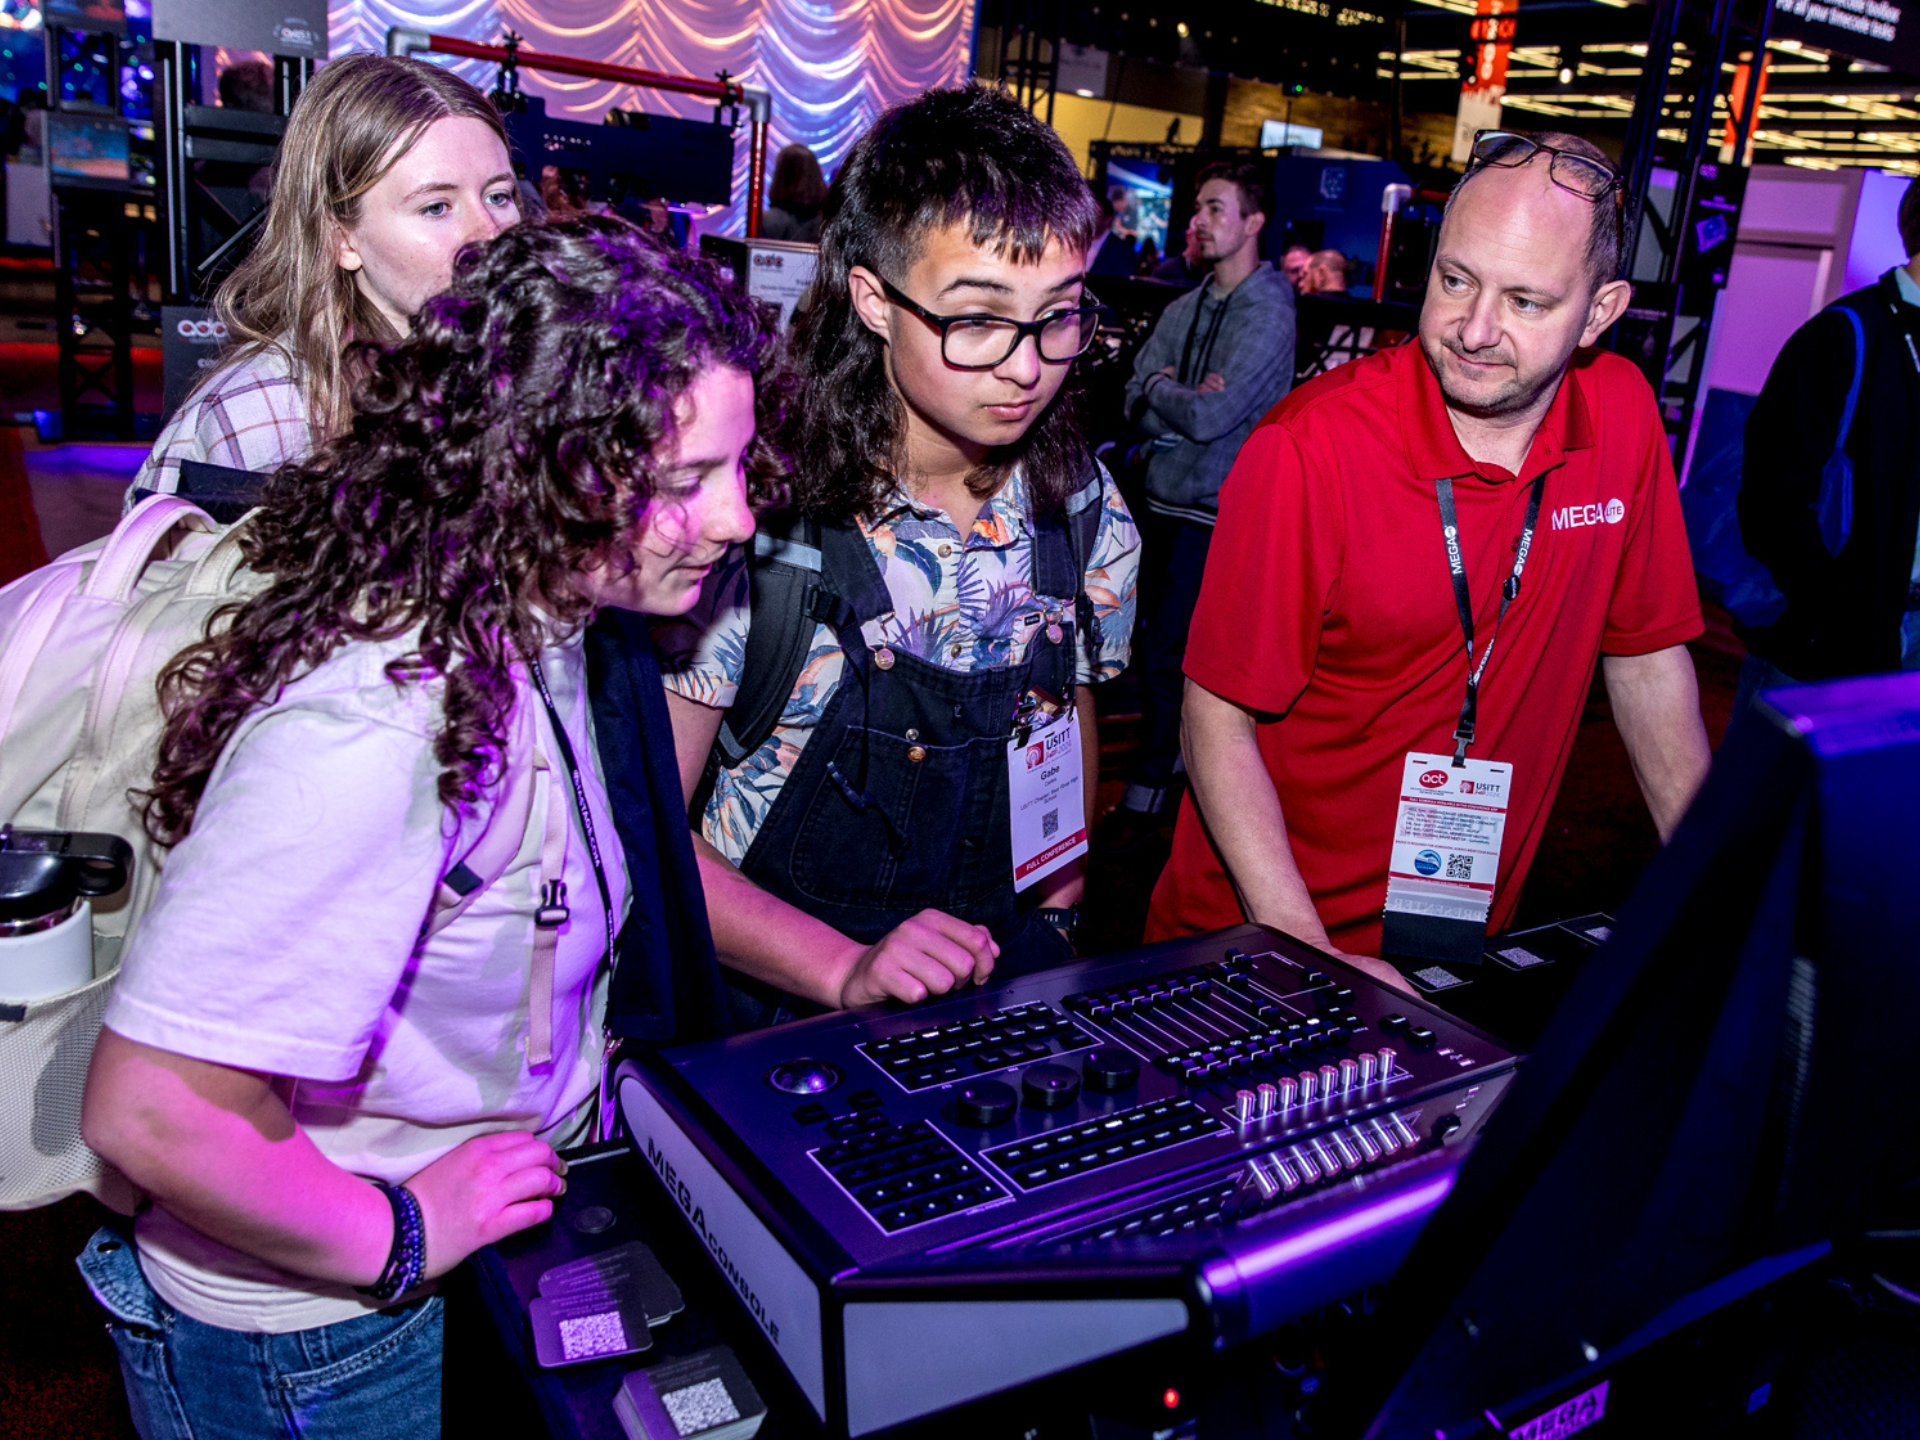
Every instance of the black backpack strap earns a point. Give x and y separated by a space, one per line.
1084 509
783 577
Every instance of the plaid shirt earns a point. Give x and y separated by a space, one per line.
251 416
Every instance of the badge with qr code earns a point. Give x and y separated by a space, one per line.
1445 859
1045 789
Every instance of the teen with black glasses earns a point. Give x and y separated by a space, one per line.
956 572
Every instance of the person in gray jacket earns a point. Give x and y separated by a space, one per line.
1219 359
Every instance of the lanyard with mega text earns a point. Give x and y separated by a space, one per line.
1463 598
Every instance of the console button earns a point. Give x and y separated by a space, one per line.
986 1102
1109 1068
1048 1087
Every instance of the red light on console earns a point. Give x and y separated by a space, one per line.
1171 1399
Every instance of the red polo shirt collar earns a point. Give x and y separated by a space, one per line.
1433 450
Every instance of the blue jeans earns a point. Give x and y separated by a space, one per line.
374 1377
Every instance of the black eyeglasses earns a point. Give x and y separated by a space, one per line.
1505 149
980 342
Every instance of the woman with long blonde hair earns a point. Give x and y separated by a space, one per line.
388 167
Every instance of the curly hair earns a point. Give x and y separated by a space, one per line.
495 452
968 155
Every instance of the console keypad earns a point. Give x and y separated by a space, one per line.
1111 1140
905 1175
940 1054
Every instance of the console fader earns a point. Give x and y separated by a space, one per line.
923 1206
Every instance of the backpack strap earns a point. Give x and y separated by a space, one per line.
1834 507
489 856
784 587
117 569
1085 508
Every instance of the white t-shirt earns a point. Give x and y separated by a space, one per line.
285 938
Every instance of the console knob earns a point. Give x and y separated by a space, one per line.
1048 1087
986 1102
803 1077
1444 1127
1109 1068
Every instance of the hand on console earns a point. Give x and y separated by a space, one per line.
929 954
1380 970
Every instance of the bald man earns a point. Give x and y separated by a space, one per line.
1379 530
1326 274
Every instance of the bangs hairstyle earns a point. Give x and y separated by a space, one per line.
494 453
967 156
352 123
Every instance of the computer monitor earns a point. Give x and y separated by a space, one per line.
1143 193
1727 1083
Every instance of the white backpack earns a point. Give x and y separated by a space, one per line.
82 644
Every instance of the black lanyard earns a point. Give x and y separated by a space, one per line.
1463 598
1206 346
579 804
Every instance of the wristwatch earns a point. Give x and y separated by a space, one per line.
1066 921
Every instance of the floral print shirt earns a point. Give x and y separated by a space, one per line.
964 604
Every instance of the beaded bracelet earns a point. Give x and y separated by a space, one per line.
407 1260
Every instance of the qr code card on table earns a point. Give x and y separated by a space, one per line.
702 1397
570 1331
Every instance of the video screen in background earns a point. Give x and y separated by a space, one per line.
1142 196
87 147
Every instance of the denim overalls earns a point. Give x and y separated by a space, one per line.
899 801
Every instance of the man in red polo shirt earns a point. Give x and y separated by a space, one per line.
1367 518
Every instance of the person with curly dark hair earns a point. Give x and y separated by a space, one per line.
977 569
378 951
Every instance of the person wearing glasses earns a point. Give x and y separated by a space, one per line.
1381 531
1220 357
975 573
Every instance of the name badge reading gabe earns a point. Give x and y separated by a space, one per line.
1045 787
1447 831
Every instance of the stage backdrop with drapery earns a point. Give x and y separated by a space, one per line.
830 65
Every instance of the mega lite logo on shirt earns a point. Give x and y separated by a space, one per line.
1574 517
